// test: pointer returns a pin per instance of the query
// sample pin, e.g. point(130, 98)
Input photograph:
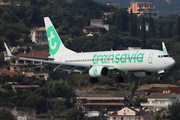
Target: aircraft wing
point(53, 62)
point(46, 58)
point(69, 67)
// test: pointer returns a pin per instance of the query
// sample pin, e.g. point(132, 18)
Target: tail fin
point(56, 47)
point(164, 47)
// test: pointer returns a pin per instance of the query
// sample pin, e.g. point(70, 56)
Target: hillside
point(165, 7)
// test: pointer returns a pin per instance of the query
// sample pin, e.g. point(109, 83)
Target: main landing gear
point(93, 80)
point(119, 79)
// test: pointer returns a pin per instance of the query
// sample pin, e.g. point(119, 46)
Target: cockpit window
point(166, 55)
point(161, 56)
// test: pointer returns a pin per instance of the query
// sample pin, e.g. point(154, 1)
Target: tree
point(131, 24)
point(11, 36)
point(137, 99)
point(4, 78)
point(6, 115)
point(17, 78)
point(169, 35)
point(178, 26)
point(156, 115)
point(135, 26)
point(74, 31)
point(161, 34)
point(174, 110)
point(143, 34)
point(74, 114)
point(151, 27)
point(26, 39)
point(125, 20)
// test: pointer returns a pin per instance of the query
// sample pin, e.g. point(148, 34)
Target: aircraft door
point(150, 59)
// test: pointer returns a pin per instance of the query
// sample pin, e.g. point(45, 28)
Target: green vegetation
point(135, 100)
point(69, 19)
point(174, 110)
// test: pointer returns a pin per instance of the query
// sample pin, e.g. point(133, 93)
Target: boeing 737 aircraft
point(102, 63)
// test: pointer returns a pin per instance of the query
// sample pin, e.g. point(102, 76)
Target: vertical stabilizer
point(164, 47)
point(56, 47)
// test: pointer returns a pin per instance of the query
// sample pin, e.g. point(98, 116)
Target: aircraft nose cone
point(171, 63)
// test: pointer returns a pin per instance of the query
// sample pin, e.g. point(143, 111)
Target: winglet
point(164, 47)
point(8, 51)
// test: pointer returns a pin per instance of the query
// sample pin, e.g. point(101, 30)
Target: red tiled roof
point(36, 53)
point(133, 109)
point(114, 113)
point(150, 86)
point(96, 19)
point(142, 113)
point(160, 95)
point(5, 71)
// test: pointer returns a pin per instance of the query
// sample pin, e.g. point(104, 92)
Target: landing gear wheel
point(119, 79)
point(160, 77)
point(93, 80)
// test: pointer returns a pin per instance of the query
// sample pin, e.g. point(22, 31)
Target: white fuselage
point(124, 60)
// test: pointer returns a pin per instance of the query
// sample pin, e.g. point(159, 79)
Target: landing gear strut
point(160, 77)
point(119, 79)
point(93, 80)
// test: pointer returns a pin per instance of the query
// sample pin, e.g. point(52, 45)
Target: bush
point(7, 87)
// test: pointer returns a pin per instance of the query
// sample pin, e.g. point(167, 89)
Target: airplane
point(142, 62)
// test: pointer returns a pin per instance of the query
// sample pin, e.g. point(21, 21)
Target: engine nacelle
point(99, 71)
point(142, 74)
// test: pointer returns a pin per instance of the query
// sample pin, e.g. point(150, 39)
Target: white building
point(38, 36)
point(158, 101)
point(99, 23)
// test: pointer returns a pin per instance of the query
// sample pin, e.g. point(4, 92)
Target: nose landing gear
point(160, 77)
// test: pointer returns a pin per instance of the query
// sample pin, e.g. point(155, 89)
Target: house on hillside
point(158, 101)
point(24, 87)
point(129, 113)
point(96, 102)
point(27, 78)
point(107, 15)
point(96, 27)
point(157, 88)
point(143, 8)
point(14, 2)
point(18, 64)
point(38, 36)
point(116, 5)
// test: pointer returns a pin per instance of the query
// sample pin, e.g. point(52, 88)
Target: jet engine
point(99, 71)
point(142, 74)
